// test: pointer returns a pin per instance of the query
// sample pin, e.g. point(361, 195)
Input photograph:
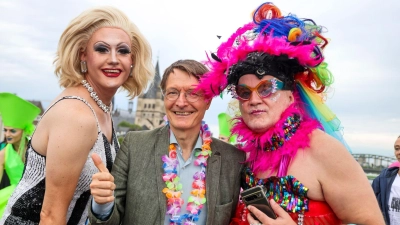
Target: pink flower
point(206, 135)
point(169, 176)
point(201, 160)
point(172, 154)
point(192, 208)
point(198, 184)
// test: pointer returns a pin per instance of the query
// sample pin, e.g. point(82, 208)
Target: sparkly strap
point(283, 166)
point(78, 98)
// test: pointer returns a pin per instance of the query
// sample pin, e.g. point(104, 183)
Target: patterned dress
point(25, 203)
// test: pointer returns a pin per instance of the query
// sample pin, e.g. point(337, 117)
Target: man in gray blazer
point(135, 191)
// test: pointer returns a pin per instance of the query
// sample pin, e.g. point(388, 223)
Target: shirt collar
point(172, 140)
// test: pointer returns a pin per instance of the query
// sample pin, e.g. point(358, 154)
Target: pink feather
point(270, 160)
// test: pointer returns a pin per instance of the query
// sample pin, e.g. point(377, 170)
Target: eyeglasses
point(173, 94)
point(264, 89)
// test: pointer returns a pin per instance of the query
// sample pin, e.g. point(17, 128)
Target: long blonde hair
point(74, 39)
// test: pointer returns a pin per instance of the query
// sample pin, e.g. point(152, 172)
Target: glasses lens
point(243, 92)
point(192, 96)
point(264, 88)
point(172, 94)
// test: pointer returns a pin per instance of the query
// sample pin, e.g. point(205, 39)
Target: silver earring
point(83, 67)
point(130, 73)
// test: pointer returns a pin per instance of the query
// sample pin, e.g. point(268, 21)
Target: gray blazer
point(137, 171)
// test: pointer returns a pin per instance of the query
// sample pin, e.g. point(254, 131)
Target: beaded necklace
point(96, 98)
point(173, 190)
point(289, 129)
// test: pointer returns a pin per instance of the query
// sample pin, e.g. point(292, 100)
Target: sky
point(362, 53)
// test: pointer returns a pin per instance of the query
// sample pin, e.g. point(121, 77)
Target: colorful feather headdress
point(286, 47)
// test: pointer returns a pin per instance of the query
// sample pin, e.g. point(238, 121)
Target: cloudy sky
point(362, 54)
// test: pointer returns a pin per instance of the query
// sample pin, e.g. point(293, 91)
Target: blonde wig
point(74, 40)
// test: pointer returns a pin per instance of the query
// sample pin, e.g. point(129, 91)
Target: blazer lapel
point(161, 148)
point(212, 182)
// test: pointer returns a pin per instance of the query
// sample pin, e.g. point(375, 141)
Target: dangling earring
point(83, 67)
point(130, 73)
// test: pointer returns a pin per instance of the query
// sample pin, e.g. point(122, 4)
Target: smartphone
point(256, 196)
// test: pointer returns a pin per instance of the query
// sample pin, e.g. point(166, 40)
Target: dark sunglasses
point(264, 89)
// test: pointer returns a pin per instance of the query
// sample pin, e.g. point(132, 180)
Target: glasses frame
point(187, 93)
point(276, 85)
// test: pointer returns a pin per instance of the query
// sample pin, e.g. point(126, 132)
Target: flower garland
point(173, 190)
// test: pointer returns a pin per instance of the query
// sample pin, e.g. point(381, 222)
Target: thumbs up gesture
point(102, 186)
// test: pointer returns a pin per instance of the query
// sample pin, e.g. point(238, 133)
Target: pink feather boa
point(215, 81)
point(279, 159)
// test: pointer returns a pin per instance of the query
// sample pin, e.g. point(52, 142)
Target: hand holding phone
point(256, 196)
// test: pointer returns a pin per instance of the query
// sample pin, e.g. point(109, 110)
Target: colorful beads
point(289, 129)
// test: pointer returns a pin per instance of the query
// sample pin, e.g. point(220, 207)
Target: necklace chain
point(96, 98)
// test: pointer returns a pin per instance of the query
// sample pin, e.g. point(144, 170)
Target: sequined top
point(25, 203)
point(291, 195)
point(286, 191)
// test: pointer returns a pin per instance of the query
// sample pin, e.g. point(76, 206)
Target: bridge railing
point(373, 163)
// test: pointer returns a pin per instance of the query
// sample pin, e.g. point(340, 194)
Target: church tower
point(150, 106)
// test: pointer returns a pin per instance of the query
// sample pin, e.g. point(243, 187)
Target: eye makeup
point(124, 50)
point(13, 131)
point(103, 48)
point(99, 47)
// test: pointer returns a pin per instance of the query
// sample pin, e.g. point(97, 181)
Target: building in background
point(150, 106)
point(121, 116)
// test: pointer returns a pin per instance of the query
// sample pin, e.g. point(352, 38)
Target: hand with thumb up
point(102, 186)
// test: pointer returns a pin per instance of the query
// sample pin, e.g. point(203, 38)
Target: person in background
point(99, 52)
point(387, 189)
point(5, 180)
point(18, 116)
point(175, 174)
point(225, 124)
point(275, 67)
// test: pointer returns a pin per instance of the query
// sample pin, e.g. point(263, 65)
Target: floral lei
point(173, 190)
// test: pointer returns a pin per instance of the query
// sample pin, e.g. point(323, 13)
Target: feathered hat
point(286, 47)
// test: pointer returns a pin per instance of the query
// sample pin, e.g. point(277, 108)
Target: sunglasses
point(264, 89)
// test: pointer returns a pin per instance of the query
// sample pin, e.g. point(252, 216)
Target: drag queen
point(275, 67)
